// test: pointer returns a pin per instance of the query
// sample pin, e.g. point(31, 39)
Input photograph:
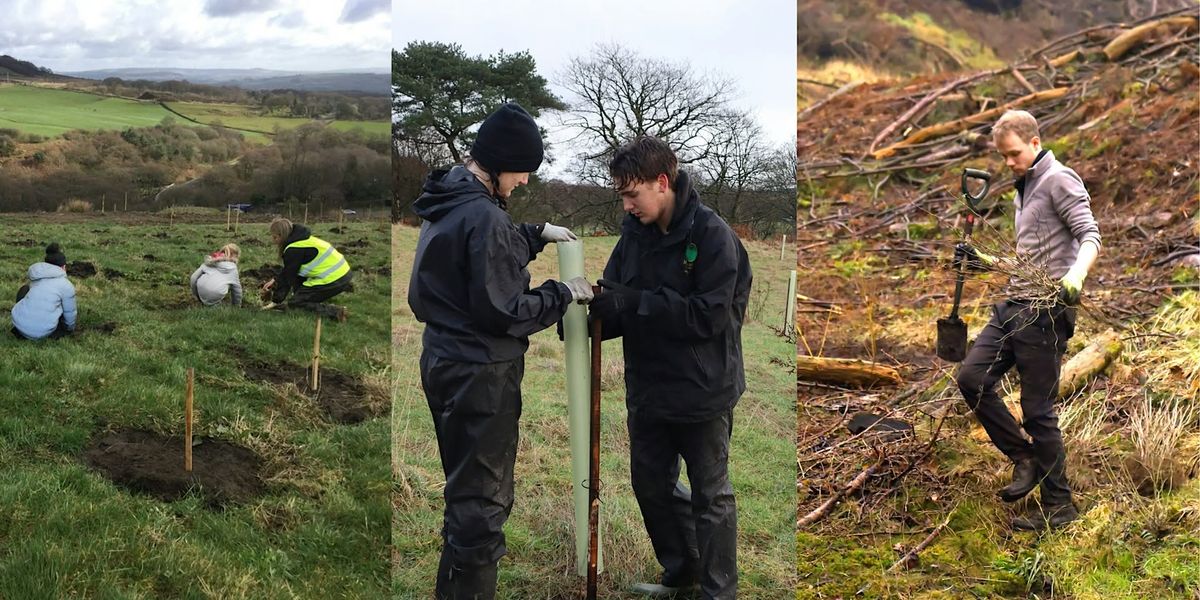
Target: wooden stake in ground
point(187, 421)
point(126, 209)
point(782, 245)
point(228, 217)
point(594, 466)
point(103, 197)
point(306, 213)
point(237, 217)
point(314, 379)
point(341, 217)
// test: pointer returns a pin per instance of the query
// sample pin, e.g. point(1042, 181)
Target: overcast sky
point(753, 41)
point(312, 35)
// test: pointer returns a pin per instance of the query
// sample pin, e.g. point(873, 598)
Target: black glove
point(614, 300)
point(966, 252)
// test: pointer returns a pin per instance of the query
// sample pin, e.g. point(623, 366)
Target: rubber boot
point(471, 583)
point(1024, 479)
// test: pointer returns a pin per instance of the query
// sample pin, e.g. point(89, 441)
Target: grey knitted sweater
point(1053, 218)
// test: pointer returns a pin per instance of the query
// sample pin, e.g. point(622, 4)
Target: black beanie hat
point(55, 256)
point(508, 141)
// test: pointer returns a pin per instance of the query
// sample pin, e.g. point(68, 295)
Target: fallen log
point(849, 87)
point(847, 372)
point(1082, 368)
point(1064, 59)
point(986, 116)
point(1127, 40)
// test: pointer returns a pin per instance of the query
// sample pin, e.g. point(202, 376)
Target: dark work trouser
point(1034, 341)
point(475, 408)
point(61, 331)
point(694, 534)
point(313, 297)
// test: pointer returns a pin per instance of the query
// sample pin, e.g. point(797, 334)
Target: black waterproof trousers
point(1034, 341)
point(694, 534)
point(313, 298)
point(475, 410)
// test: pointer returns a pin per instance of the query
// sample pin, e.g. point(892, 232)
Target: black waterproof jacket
point(683, 344)
point(288, 277)
point(469, 283)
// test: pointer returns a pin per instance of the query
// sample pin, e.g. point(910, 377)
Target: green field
point(540, 562)
point(320, 528)
point(244, 117)
point(51, 112)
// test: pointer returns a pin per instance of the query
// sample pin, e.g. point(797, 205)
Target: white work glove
point(554, 233)
point(581, 290)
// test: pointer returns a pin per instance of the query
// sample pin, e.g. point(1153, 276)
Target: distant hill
point(13, 67)
point(352, 80)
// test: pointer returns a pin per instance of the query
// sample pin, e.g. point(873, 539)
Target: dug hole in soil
point(148, 463)
point(341, 397)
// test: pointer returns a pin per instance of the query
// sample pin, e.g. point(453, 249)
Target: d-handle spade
point(951, 330)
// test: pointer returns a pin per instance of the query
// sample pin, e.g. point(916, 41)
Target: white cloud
point(276, 34)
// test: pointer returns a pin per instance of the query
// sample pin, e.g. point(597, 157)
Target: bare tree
point(617, 94)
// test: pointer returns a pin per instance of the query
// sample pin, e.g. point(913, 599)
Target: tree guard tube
point(575, 334)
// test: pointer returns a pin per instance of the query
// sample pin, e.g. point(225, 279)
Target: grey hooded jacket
point(214, 280)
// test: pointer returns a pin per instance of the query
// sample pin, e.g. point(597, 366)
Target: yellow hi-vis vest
point(327, 267)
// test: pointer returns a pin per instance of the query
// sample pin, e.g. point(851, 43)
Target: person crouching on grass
point(45, 306)
point(1057, 236)
point(312, 267)
point(218, 278)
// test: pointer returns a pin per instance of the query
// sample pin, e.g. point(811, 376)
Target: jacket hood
point(221, 264)
point(447, 189)
point(687, 200)
point(299, 232)
point(45, 270)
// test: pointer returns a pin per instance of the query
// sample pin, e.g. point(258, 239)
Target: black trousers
point(61, 331)
point(313, 298)
point(475, 408)
point(694, 534)
point(1032, 340)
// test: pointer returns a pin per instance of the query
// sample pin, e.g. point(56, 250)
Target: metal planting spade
point(951, 330)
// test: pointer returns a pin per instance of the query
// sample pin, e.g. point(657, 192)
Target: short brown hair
point(1019, 122)
point(643, 159)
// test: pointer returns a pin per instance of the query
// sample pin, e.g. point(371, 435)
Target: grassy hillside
point(49, 112)
point(319, 522)
point(540, 563)
point(244, 117)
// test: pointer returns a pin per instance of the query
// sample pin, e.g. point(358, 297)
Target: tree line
point(441, 94)
point(139, 165)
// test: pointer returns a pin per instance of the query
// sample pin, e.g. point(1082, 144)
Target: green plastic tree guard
point(579, 385)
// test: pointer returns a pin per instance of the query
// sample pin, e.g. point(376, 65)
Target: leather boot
point(1039, 518)
point(1024, 479)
